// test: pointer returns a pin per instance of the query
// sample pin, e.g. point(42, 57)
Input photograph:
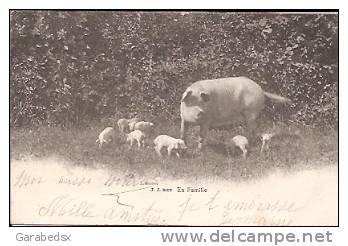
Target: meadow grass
point(295, 148)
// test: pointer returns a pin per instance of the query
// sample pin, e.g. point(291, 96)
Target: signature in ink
point(118, 197)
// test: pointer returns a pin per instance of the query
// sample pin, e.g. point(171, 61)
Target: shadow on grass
point(218, 147)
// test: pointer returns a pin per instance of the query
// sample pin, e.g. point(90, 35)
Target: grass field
point(294, 149)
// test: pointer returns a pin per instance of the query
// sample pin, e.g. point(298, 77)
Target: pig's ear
point(205, 96)
point(186, 95)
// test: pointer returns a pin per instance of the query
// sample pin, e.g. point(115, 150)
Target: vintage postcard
point(197, 118)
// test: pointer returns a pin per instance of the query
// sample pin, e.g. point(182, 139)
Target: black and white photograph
point(173, 117)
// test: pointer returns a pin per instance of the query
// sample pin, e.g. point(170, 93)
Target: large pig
point(221, 102)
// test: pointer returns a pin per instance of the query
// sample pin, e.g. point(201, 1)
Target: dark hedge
point(69, 68)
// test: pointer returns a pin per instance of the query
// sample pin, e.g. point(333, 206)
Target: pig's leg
point(250, 119)
point(183, 130)
point(203, 132)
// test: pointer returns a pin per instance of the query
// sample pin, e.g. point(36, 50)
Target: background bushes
point(70, 68)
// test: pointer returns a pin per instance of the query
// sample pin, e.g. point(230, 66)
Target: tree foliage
point(69, 67)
